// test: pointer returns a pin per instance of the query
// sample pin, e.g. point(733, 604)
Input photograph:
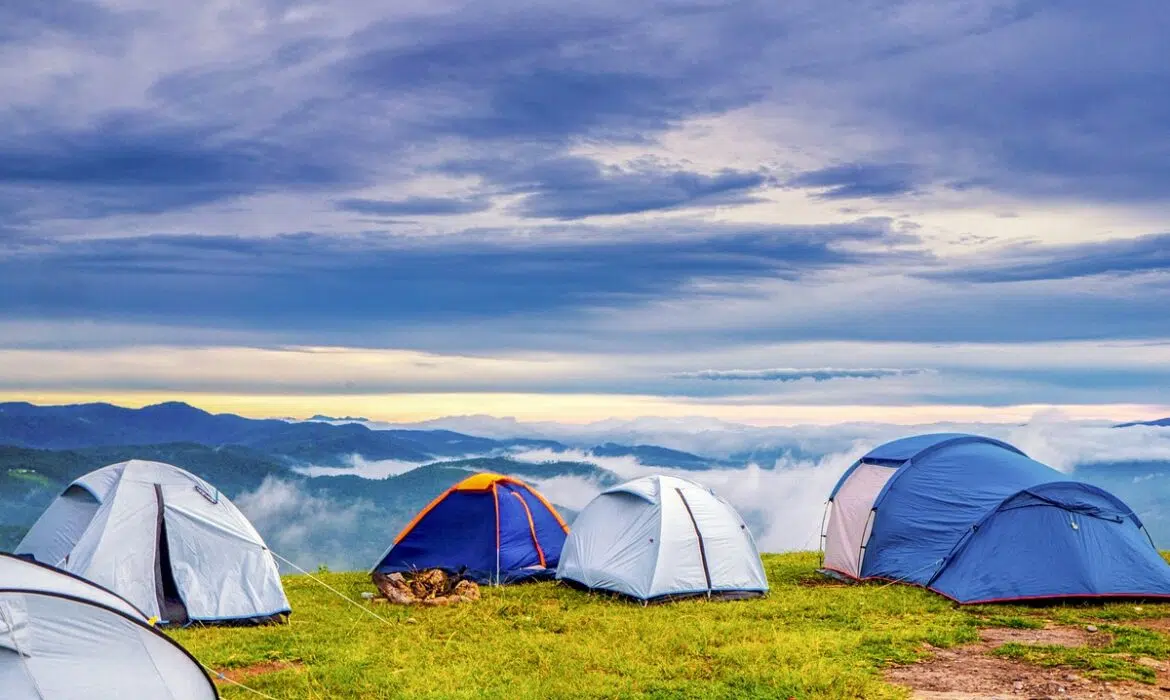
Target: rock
point(1091, 628)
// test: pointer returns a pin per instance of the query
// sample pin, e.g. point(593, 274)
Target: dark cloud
point(574, 188)
point(859, 180)
point(1036, 262)
point(823, 374)
point(79, 18)
point(308, 281)
point(414, 206)
point(129, 163)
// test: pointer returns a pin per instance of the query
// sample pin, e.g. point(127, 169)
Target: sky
point(760, 212)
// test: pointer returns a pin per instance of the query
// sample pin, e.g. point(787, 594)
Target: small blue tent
point(490, 528)
point(978, 521)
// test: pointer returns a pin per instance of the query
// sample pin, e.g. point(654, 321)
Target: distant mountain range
point(1160, 422)
point(314, 441)
point(312, 487)
point(43, 448)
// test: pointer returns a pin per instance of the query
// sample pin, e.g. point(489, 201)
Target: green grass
point(809, 638)
point(1116, 661)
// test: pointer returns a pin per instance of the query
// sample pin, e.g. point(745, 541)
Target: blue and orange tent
point(488, 527)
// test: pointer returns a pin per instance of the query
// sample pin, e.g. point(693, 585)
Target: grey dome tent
point(62, 638)
point(659, 538)
point(163, 539)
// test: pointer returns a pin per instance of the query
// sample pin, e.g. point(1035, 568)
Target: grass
point(810, 638)
point(1116, 661)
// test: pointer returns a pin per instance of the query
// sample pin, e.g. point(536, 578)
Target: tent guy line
point(335, 592)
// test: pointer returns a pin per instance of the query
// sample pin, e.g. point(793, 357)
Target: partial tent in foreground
point(978, 521)
point(488, 527)
point(62, 637)
point(163, 539)
point(660, 538)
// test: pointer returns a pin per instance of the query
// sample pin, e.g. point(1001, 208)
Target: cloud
point(569, 188)
point(781, 501)
point(129, 163)
point(359, 466)
point(306, 529)
point(414, 206)
point(1033, 261)
point(793, 375)
point(308, 281)
point(781, 492)
point(857, 180)
point(75, 18)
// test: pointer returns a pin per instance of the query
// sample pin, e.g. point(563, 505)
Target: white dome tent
point(661, 537)
point(63, 638)
point(163, 539)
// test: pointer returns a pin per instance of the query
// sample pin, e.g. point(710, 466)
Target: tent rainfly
point(62, 637)
point(661, 537)
point(163, 539)
point(488, 528)
point(976, 520)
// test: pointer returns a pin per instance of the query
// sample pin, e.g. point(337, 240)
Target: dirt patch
point(243, 672)
point(1048, 636)
point(971, 673)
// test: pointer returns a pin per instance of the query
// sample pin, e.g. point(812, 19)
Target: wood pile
point(427, 587)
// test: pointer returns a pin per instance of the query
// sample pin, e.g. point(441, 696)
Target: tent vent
point(211, 497)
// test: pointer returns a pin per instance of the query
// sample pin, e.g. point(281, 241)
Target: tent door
point(851, 518)
point(699, 536)
point(532, 530)
point(170, 604)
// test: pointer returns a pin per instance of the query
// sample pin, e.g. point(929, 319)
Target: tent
point(62, 637)
point(977, 521)
point(165, 540)
point(488, 527)
point(660, 537)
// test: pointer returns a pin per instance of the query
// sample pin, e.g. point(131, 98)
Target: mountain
point(99, 424)
point(344, 521)
point(1159, 422)
point(83, 426)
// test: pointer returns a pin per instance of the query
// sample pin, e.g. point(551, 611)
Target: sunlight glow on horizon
point(586, 408)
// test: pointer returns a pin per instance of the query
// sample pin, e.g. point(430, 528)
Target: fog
point(782, 498)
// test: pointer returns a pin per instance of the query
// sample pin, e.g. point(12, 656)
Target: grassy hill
point(810, 638)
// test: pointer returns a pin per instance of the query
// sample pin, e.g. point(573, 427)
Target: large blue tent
point(978, 521)
point(489, 528)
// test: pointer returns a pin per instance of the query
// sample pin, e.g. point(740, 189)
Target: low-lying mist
point(778, 478)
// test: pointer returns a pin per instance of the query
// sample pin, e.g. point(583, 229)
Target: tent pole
point(496, 499)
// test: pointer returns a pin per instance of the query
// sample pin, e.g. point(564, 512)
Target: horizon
point(1013, 415)
point(765, 214)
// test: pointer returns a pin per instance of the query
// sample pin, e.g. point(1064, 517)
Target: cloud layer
point(619, 180)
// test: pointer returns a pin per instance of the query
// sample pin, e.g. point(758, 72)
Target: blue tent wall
point(929, 505)
point(460, 531)
point(1065, 539)
point(977, 520)
point(485, 527)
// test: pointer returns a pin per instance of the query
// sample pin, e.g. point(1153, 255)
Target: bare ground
point(972, 673)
